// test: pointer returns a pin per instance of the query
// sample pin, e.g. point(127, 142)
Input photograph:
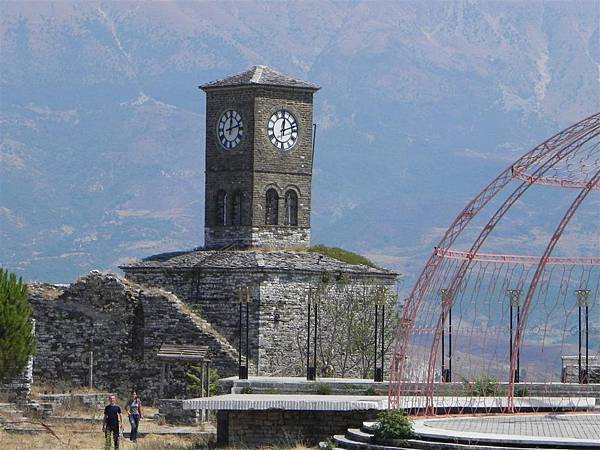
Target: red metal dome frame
point(535, 167)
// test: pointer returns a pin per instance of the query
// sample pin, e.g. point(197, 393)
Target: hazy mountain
point(422, 103)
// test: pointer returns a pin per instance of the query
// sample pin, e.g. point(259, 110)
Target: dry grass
point(62, 387)
point(71, 440)
point(74, 408)
point(95, 441)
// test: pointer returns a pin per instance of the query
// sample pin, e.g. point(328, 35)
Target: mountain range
point(422, 104)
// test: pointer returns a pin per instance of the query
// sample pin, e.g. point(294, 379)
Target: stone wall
point(570, 369)
point(285, 428)
point(284, 312)
point(213, 294)
point(19, 389)
point(173, 413)
point(124, 324)
point(278, 310)
point(271, 236)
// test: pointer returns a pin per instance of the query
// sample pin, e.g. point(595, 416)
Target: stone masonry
point(19, 389)
point(279, 282)
point(124, 324)
point(283, 428)
point(256, 165)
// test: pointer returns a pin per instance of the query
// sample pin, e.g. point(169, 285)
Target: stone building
point(259, 161)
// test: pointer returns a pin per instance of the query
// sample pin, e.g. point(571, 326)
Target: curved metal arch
point(592, 184)
point(517, 193)
point(414, 302)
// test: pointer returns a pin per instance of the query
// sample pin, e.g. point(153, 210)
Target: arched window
point(236, 208)
point(272, 210)
point(222, 208)
point(291, 208)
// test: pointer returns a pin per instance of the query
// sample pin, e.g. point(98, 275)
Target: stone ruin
point(124, 324)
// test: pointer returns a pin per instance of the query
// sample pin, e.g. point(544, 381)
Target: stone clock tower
point(259, 157)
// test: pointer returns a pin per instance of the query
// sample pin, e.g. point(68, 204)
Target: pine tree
point(17, 343)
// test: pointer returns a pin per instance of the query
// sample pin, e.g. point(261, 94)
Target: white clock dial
point(230, 129)
point(283, 130)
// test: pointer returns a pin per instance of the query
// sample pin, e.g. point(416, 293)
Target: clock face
point(230, 129)
point(283, 130)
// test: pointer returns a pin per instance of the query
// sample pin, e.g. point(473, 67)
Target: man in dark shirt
point(113, 422)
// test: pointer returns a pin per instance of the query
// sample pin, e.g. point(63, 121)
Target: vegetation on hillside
point(342, 255)
point(17, 342)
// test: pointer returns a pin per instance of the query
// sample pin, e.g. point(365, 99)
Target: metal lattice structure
point(463, 305)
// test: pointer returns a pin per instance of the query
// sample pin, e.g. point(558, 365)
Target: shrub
point(323, 389)
point(371, 391)
point(246, 390)
point(482, 386)
point(394, 424)
point(17, 342)
point(521, 392)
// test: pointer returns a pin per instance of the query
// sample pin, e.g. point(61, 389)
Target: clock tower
point(259, 157)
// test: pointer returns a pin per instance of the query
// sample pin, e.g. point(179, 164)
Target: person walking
point(134, 412)
point(113, 423)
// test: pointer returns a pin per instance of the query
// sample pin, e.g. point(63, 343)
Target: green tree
point(17, 343)
point(346, 333)
point(194, 381)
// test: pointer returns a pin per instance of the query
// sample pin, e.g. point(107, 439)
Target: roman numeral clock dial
point(283, 130)
point(230, 129)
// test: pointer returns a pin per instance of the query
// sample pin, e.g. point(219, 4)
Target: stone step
point(445, 445)
point(369, 427)
point(350, 444)
point(358, 435)
point(15, 420)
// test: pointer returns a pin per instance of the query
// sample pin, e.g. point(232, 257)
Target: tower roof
point(260, 76)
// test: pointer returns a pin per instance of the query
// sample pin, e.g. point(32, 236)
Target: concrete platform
point(261, 402)
point(255, 420)
point(548, 430)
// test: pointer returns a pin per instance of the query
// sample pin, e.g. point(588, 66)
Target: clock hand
point(233, 126)
point(282, 127)
point(291, 127)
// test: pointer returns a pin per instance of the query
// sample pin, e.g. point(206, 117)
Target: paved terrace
point(560, 430)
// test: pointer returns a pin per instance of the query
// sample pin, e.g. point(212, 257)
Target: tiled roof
point(253, 260)
point(260, 76)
